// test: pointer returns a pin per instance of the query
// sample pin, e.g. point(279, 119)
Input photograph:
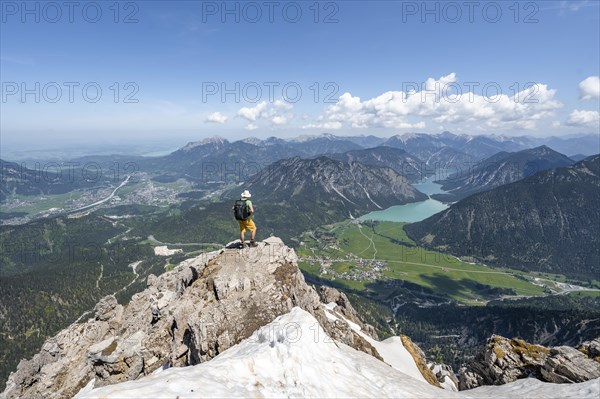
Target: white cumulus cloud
point(589, 88)
point(252, 114)
point(579, 118)
point(444, 101)
point(278, 113)
point(216, 117)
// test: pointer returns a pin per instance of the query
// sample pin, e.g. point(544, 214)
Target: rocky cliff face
point(419, 357)
point(505, 360)
point(591, 349)
point(187, 316)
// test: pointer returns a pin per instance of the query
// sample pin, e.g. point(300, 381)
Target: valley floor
point(358, 254)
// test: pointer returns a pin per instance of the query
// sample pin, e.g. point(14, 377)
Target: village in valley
point(141, 189)
point(343, 265)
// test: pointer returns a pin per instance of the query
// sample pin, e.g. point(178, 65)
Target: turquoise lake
point(414, 212)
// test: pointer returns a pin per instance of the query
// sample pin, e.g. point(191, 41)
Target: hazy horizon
point(161, 145)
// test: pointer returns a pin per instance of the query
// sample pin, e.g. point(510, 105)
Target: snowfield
point(293, 357)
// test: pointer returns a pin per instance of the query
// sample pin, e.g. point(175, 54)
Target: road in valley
point(124, 182)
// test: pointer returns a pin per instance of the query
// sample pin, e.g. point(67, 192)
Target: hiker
point(244, 213)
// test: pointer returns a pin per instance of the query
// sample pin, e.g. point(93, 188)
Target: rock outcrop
point(332, 295)
point(419, 357)
point(444, 375)
point(184, 317)
point(506, 360)
point(591, 349)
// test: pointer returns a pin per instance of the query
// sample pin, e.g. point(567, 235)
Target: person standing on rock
point(244, 214)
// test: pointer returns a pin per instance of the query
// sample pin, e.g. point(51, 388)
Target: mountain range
point(501, 168)
point(448, 149)
point(435, 150)
point(218, 160)
point(547, 222)
point(401, 161)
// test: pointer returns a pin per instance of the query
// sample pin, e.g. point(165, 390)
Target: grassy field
point(355, 247)
point(37, 205)
point(129, 188)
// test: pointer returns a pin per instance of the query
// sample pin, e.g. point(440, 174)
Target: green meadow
point(343, 244)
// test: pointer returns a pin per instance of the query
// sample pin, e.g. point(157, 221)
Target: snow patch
point(165, 251)
point(293, 357)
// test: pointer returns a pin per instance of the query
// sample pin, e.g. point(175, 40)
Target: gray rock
point(107, 308)
point(566, 364)
point(151, 281)
point(591, 349)
point(445, 376)
point(503, 361)
point(329, 295)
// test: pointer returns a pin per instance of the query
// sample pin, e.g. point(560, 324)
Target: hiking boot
point(243, 245)
point(253, 243)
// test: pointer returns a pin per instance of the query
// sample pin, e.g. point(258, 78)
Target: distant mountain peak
point(545, 152)
point(308, 137)
point(214, 140)
point(409, 136)
point(252, 140)
point(500, 137)
point(447, 134)
point(542, 150)
point(504, 167)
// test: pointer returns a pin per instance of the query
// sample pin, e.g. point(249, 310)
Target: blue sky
point(349, 67)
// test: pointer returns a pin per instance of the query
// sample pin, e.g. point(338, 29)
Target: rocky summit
point(184, 317)
point(214, 311)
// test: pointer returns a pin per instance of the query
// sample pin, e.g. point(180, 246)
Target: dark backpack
point(241, 210)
